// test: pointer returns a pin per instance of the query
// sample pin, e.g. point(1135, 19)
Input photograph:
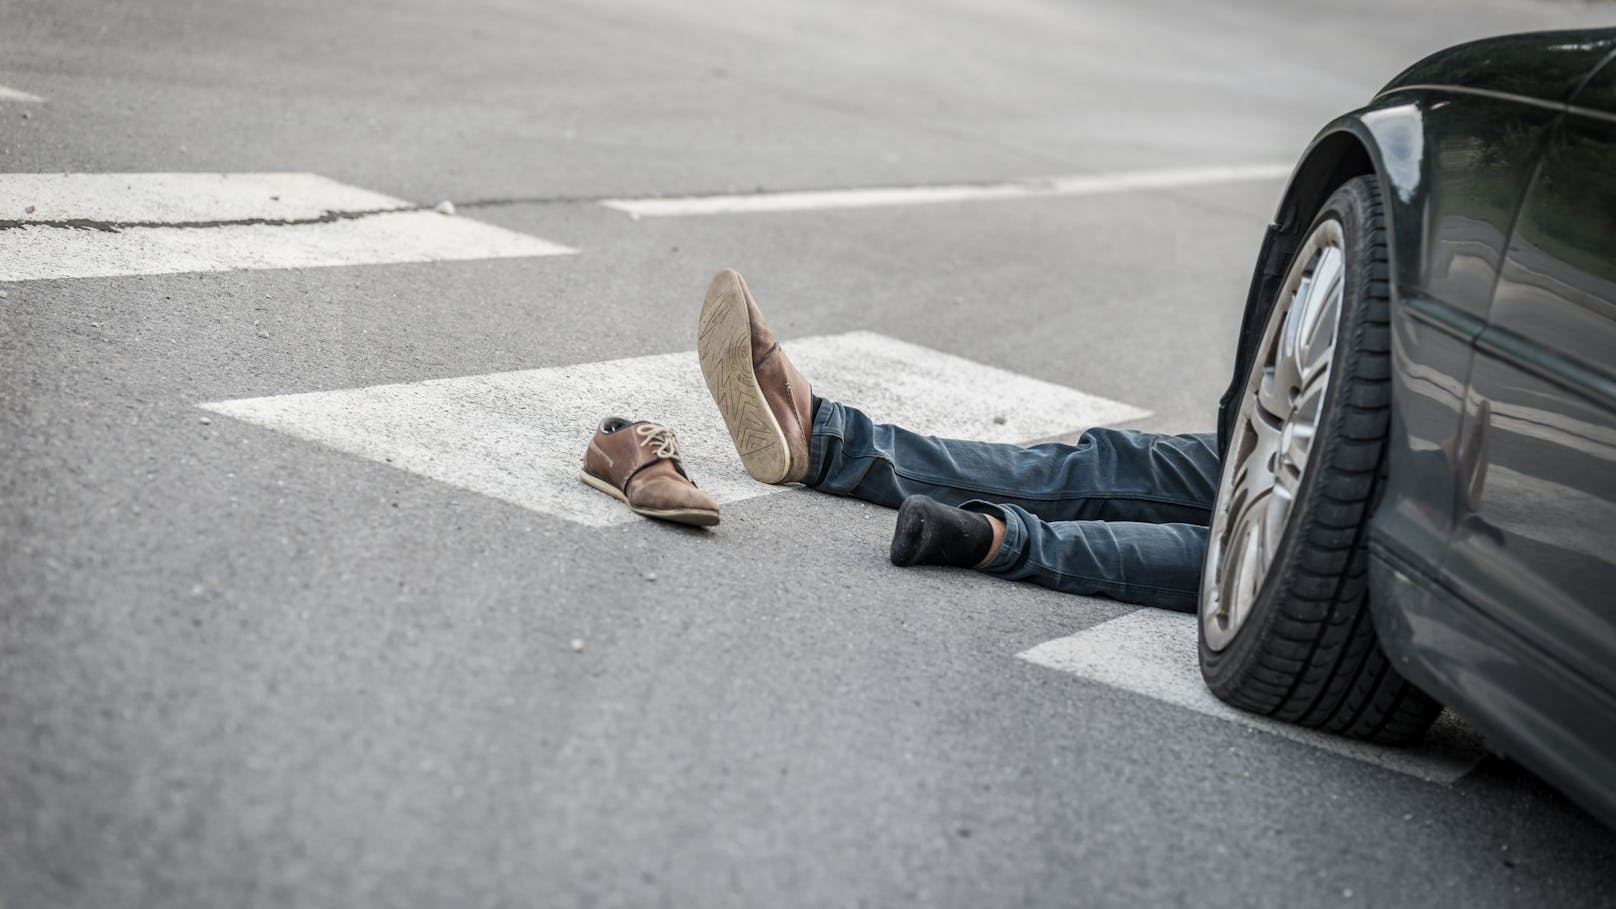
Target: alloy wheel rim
point(1273, 434)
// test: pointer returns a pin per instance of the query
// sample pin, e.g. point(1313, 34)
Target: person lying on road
point(1121, 514)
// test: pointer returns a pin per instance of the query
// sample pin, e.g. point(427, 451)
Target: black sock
point(931, 533)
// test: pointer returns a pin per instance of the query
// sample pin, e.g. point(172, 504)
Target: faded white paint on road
point(519, 436)
point(96, 225)
point(11, 94)
point(1153, 653)
point(183, 197)
point(1069, 185)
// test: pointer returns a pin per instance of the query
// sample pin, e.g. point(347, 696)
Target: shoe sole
point(696, 517)
point(724, 345)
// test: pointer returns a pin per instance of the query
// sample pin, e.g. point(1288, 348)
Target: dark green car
point(1418, 501)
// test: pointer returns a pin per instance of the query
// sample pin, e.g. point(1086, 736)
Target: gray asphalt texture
point(241, 669)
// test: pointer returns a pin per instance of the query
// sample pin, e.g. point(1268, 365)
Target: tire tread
point(1315, 659)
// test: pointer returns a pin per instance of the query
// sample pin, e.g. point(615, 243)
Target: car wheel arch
point(1344, 149)
point(1335, 157)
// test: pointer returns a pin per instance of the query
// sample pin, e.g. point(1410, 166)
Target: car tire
point(1285, 628)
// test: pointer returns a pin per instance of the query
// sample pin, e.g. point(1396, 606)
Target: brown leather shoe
point(639, 464)
point(766, 403)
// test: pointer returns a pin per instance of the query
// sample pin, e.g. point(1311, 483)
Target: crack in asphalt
point(331, 216)
point(112, 227)
point(328, 216)
point(530, 200)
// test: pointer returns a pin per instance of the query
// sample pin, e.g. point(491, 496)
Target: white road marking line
point(1153, 653)
point(1069, 185)
point(11, 94)
point(519, 436)
point(43, 253)
point(171, 198)
point(98, 225)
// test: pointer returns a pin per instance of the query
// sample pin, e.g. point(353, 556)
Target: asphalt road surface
point(351, 636)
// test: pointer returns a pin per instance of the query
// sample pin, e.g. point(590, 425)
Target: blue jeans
point(1121, 514)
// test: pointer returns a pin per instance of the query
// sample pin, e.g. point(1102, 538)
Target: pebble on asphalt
point(577, 646)
point(444, 208)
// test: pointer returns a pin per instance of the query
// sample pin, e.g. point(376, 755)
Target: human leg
point(783, 434)
point(1121, 475)
point(1149, 564)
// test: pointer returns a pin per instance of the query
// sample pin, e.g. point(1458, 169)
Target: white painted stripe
point(139, 224)
point(1070, 185)
point(1153, 653)
point(11, 94)
point(519, 436)
point(34, 253)
point(172, 198)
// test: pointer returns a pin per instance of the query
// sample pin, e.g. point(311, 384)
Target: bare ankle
point(998, 541)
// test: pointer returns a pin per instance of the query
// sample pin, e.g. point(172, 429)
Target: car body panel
point(1543, 66)
point(1527, 706)
point(1534, 547)
point(1473, 158)
point(1492, 574)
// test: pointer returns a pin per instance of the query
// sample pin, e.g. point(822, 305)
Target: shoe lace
point(661, 436)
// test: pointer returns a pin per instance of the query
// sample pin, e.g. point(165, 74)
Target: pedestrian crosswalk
point(1153, 653)
point(99, 225)
point(518, 436)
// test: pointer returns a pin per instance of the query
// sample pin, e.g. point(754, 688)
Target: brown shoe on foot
point(639, 464)
point(766, 403)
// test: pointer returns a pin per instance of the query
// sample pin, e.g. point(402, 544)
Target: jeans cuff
point(827, 425)
point(1015, 535)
